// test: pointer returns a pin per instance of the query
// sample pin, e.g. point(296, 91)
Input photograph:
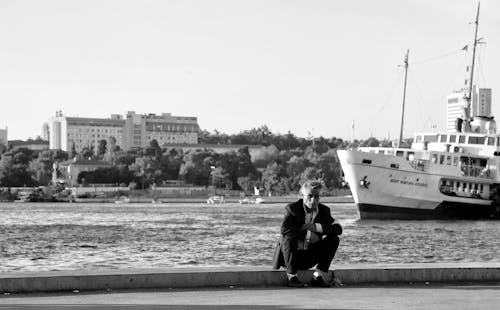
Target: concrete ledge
point(224, 277)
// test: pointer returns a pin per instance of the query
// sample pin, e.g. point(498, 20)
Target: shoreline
point(192, 278)
point(230, 199)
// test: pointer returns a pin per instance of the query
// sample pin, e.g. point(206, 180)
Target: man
point(309, 237)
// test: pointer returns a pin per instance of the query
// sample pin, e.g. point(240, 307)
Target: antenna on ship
point(468, 96)
point(404, 97)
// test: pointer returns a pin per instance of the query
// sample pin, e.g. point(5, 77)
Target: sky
point(310, 67)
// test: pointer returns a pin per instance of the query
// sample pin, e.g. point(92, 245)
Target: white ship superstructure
point(455, 174)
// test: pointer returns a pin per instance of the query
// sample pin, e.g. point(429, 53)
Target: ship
point(441, 175)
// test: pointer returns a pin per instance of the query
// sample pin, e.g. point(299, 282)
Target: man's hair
point(310, 185)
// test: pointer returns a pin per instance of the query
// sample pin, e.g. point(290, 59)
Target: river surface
point(45, 237)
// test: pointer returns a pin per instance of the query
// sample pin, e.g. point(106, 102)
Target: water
point(44, 237)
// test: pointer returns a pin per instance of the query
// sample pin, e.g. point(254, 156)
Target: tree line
point(282, 163)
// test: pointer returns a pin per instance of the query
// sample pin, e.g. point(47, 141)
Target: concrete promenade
point(409, 286)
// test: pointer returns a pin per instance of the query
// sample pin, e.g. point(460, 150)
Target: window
point(430, 138)
point(461, 139)
point(366, 161)
point(448, 160)
point(455, 161)
point(476, 140)
point(434, 158)
point(400, 153)
point(453, 138)
point(442, 138)
point(491, 140)
point(441, 159)
point(396, 166)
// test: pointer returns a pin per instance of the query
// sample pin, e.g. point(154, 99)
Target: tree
point(72, 152)
point(41, 168)
point(330, 168)
point(154, 149)
point(14, 168)
point(371, 142)
point(196, 167)
point(87, 152)
point(270, 177)
point(101, 148)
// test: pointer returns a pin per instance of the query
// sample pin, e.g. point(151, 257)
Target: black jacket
point(291, 226)
point(295, 217)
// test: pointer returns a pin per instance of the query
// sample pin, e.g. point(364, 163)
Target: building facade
point(456, 102)
point(133, 131)
point(165, 129)
point(3, 137)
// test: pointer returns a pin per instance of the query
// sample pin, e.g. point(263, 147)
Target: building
point(34, 145)
point(166, 129)
point(45, 131)
point(67, 172)
point(3, 137)
point(136, 130)
point(456, 102)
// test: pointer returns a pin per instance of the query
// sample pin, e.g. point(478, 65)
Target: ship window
point(441, 159)
point(448, 160)
point(491, 140)
point(430, 138)
point(461, 139)
point(442, 138)
point(366, 161)
point(395, 166)
point(453, 138)
point(400, 153)
point(476, 140)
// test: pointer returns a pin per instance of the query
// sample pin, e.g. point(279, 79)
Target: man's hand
point(314, 238)
point(309, 226)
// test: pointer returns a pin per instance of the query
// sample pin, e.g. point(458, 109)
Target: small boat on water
point(453, 174)
point(123, 199)
point(215, 199)
point(257, 200)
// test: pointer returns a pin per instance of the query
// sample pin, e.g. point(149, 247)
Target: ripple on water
point(36, 237)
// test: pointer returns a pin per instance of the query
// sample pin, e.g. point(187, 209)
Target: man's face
point(311, 198)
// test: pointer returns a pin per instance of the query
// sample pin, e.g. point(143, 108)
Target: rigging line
point(480, 64)
point(387, 99)
point(436, 57)
point(455, 74)
point(421, 103)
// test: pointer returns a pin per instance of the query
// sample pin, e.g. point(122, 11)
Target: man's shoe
point(319, 282)
point(294, 282)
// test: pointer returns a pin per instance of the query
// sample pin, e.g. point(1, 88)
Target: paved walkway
point(390, 297)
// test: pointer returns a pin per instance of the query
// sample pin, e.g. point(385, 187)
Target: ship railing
point(475, 171)
point(419, 164)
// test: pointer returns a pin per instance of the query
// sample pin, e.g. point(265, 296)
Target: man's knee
point(288, 243)
point(331, 241)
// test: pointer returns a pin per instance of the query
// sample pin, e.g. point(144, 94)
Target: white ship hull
point(389, 187)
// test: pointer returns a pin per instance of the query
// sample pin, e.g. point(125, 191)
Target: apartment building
point(135, 130)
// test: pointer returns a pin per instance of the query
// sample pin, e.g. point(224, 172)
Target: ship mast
point(404, 97)
point(468, 96)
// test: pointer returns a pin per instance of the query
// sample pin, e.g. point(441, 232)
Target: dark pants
point(320, 253)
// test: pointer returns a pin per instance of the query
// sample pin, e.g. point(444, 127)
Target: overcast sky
point(299, 66)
